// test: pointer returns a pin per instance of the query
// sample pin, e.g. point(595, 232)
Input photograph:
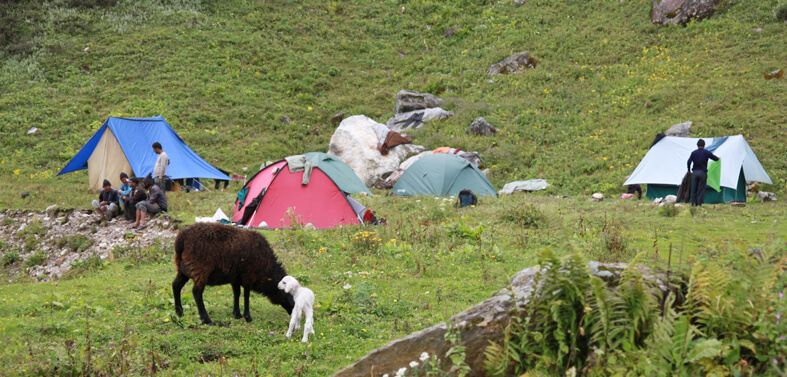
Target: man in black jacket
point(107, 203)
point(699, 172)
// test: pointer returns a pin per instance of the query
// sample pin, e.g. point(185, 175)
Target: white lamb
point(304, 301)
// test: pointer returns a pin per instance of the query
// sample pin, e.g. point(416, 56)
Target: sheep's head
point(289, 284)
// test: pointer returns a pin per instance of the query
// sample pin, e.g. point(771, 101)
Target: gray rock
point(478, 325)
point(407, 101)
point(355, 143)
point(513, 64)
point(451, 31)
point(480, 127)
point(675, 12)
point(338, 118)
point(680, 129)
point(285, 119)
point(32, 130)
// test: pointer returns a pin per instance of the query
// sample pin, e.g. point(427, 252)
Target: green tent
point(442, 174)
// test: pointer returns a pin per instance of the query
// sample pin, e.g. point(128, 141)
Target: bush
point(781, 12)
point(668, 210)
point(36, 259)
point(10, 257)
point(526, 215)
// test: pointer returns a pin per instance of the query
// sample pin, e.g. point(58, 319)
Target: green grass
point(224, 73)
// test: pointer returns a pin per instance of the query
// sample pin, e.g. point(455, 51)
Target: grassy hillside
point(224, 73)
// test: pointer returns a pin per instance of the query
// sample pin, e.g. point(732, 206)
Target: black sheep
point(216, 254)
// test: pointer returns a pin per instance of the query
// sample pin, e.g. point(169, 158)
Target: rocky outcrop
point(777, 74)
point(60, 238)
point(478, 326)
point(407, 101)
point(513, 64)
point(355, 143)
point(480, 127)
point(680, 129)
point(679, 12)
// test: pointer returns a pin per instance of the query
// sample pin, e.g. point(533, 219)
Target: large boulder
point(478, 326)
point(415, 119)
point(407, 101)
point(680, 129)
point(674, 12)
point(513, 64)
point(355, 143)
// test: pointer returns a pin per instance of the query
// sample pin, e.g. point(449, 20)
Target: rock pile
point(61, 237)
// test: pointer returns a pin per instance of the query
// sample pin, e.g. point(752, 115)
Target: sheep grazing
point(304, 302)
point(216, 254)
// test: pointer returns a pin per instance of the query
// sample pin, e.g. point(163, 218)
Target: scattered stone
point(25, 194)
point(679, 12)
point(309, 226)
point(680, 129)
point(71, 222)
point(758, 29)
point(32, 130)
point(597, 197)
point(407, 101)
point(480, 127)
point(777, 74)
point(451, 31)
point(285, 119)
point(513, 64)
point(738, 204)
point(338, 118)
point(766, 196)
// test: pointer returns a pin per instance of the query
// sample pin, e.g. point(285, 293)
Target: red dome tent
point(277, 190)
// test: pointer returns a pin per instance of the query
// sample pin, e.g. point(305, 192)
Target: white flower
point(400, 372)
point(424, 356)
point(413, 364)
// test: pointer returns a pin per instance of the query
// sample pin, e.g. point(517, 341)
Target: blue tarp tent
point(124, 145)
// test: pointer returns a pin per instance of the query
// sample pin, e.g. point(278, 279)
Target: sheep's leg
point(177, 286)
point(203, 314)
point(236, 301)
point(246, 313)
point(308, 325)
point(295, 319)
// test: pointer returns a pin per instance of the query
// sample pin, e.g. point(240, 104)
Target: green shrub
point(36, 259)
point(781, 12)
point(525, 215)
point(668, 210)
point(10, 257)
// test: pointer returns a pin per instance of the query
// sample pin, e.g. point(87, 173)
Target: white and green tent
point(663, 167)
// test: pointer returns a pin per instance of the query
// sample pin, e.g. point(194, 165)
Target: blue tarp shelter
point(124, 145)
point(664, 166)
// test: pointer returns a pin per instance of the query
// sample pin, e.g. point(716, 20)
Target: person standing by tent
point(699, 174)
point(156, 203)
point(160, 170)
point(107, 203)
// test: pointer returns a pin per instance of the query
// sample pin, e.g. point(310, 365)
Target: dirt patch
point(45, 244)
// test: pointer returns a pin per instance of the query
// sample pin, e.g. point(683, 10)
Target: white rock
point(355, 143)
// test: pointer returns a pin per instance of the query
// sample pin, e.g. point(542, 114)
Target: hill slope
point(224, 73)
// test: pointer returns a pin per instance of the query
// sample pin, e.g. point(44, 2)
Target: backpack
point(466, 199)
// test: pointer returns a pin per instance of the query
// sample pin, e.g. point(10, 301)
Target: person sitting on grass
point(107, 203)
point(137, 195)
point(124, 190)
point(156, 203)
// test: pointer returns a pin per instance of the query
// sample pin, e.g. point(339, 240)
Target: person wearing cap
point(124, 190)
point(699, 172)
point(107, 203)
point(156, 203)
point(160, 169)
point(136, 195)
